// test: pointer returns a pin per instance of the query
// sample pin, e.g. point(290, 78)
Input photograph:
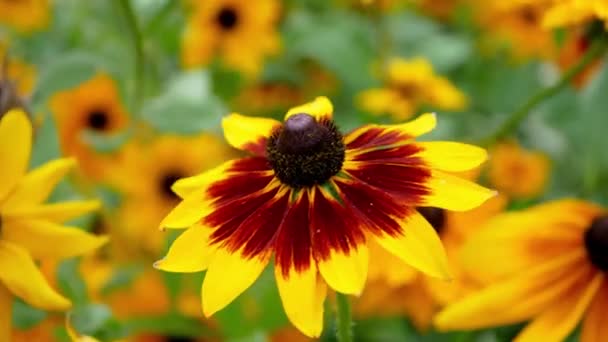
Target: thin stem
point(595, 51)
point(137, 38)
point(344, 318)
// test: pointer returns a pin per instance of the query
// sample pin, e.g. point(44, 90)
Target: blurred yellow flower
point(95, 106)
point(575, 12)
point(25, 15)
point(409, 84)
point(147, 195)
point(241, 32)
point(16, 81)
point(517, 172)
point(396, 288)
point(31, 230)
point(546, 264)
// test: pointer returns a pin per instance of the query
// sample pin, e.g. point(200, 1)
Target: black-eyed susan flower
point(409, 84)
point(241, 32)
point(30, 229)
point(94, 105)
point(25, 15)
point(395, 288)
point(546, 264)
point(564, 13)
point(517, 172)
point(314, 199)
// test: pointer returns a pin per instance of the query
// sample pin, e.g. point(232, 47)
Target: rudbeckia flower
point(314, 199)
point(24, 15)
point(546, 264)
point(95, 106)
point(410, 84)
point(396, 288)
point(241, 32)
point(31, 230)
point(564, 13)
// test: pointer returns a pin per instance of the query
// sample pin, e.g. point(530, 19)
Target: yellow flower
point(545, 264)
point(410, 84)
point(94, 105)
point(574, 47)
point(395, 288)
point(314, 199)
point(31, 230)
point(575, 12)
point(242, 32)
point(517, 172)
point(147, 194)
point(16, 81)
point(443, 9)
point(25, 15)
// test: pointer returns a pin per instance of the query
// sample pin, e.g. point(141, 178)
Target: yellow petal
point(346, 273)
point(229, 275)
point(190, 252)
point(556, 323)
point(517, 299)
point(245, 133)
point(320, 108)
point(302, 294)
point(21, 276)
point(417, 127)
point(56, 212)
point(6, 313)
point(451, 156)
point(37, 185)
point(43, 239)
point(454, 193)
point(595, 326)
point(188, 211)
point(15, 147)
point(185, 186)
point(419, 246)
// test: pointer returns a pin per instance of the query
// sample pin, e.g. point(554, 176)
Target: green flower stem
point(136, 36)
point(595, 51)
point(344, 318)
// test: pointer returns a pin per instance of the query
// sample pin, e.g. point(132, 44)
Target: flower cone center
point(166, 182)
point(435, 216)
point(98, 120)
point(596, 242)
point(227, 18)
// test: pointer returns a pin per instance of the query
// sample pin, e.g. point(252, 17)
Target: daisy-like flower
point(410, 84)
point(546, 264)
point(564, 13)
point(241, 32)
point(29, 229)
point(314, 198)
point(94, 105)
point(25, 15)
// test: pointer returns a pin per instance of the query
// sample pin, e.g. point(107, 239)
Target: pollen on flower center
point(227, 18)
point(596, 242)
point(435, 216)
point(98, 120)
point(305, 152)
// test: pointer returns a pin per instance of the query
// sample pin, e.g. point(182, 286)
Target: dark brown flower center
point(529, 15)
point(166, 182)
point(227, 18)
point(98, 120)
point(435, 216)
point(305, 152)
point(596, 242)
point(179, 339)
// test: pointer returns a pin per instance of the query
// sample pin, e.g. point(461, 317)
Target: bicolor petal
point(248, 133)
point(451, 156)
point(21, 276)
point(320, 108)
point(454, 193)
point(190, 252)
point(15, 148)
point(595, 325)
point(188, 211)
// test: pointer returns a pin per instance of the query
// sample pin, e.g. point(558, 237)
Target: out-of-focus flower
point(395, 288)
point(32, 230)
point(409, 84)
point(241, 32)
point(95, 106)
point(575, 12)
point(545, 264)
point(43, 331)
point(442, 9)
point(517, 172)
point(25, 15)
point(518, 23)
point(16, 82)
point(147, 195)
point(575, 46)
point(315, 199)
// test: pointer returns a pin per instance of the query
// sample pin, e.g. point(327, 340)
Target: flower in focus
point(575, 12)
point(408, 85)
point(32, 230)
point(545, 264)
point(24, 15)
point(314, 199)
point(395, 288)
point(242, 32)
point(92, 106)
point(517, 172)
point(147, 195)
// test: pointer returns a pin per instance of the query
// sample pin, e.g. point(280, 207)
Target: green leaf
point(25, 316)
point(169, 325)
point(71, 283)
point(107, 143)
point(91, 318)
